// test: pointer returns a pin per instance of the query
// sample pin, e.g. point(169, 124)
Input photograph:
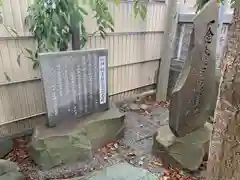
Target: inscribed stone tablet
point(75, 83)
point(194, 90)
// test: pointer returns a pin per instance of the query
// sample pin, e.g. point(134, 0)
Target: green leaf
point(143, 11)
point(30, 52)
point(117, 2)
point(19, 59)
point(7, 77)
point(1, 18)
point(52, 27)
point(13, 30)
point(83, 10)
point(35, 64)
point(111, 28)
point(84, 35)
point(30, 58)
point(55, 18)
point(135, 8)
point(103, 34)
point(66, 18)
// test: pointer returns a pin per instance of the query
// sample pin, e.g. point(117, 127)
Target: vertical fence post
point(76, 38)
point(170, 29)
point(75, 35)
point(220, 20)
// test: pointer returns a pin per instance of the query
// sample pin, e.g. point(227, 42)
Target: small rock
point(91, 169)
point(131, 155)
point(124, 107)
point(134, 107)
point(141, 125)
point(140, 163)
point(138, 99)
point(144, 106)
point(131, 162)
point(116, 145)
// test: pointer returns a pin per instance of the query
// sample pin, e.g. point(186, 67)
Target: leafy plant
point(200, 3)
point(51, 22)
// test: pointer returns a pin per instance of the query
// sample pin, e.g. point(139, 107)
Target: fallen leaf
point(155, 163)
point(116, 145)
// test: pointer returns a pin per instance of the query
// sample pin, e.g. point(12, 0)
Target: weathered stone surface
point(123, 171)
point(186, 152)
point(120, 171)
point(9, 171)
point(193, 92)
point(138, 106)
point(75, 141)
point(134, 107)
point(6, 145)
point(7, 166)
point(75, 83)
point(12, 176)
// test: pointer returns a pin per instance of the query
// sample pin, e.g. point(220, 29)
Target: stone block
point(75, 140)
point(186, 152)
point(6, 146)
point(9, 171)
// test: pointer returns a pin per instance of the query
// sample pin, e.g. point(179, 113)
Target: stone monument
point(186, 138)
point(75, 83)
point(79, 115)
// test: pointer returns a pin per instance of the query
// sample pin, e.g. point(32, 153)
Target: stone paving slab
point(123, 171)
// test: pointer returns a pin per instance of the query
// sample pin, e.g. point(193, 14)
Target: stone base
point(6, 146)
point(9, 171)
point(76, 140)
point(186, 152)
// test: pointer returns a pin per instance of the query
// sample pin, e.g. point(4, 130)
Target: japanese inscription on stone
point(75, 83)
point(194, 89)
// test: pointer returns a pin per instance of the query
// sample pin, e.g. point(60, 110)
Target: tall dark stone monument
point(192, 96)
point(185, 141)
point(75, 83)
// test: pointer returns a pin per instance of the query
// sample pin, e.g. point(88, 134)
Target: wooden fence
point(134, 53)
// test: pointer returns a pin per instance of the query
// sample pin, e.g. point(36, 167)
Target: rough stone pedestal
point(75, 140)
point(186, 152)
point(9, 171)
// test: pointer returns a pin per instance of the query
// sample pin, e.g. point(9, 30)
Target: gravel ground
point(134, 148)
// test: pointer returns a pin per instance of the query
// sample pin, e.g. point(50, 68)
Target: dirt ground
point(134, 148)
